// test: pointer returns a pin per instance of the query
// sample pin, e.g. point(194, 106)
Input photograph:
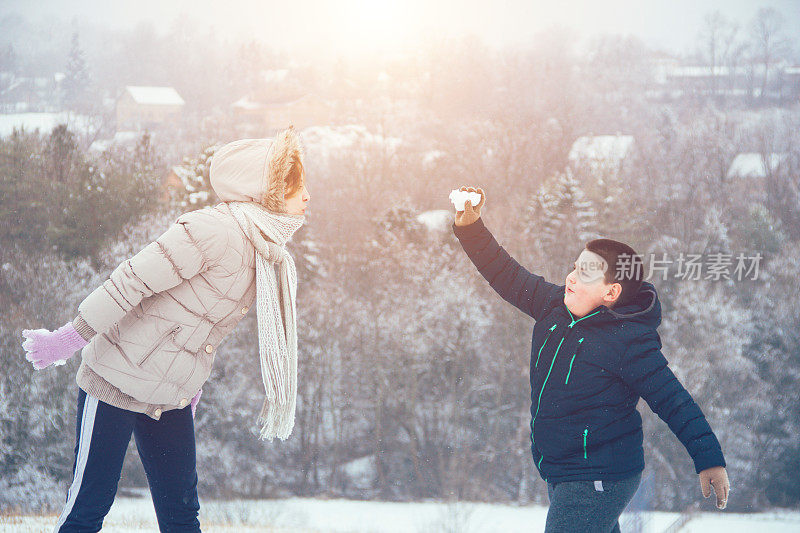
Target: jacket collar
point(643, 308)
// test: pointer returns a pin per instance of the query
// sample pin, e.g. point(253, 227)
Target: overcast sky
point(350, 25)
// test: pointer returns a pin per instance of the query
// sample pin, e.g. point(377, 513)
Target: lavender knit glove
point(44, 348)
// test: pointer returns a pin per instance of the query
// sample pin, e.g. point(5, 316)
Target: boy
point(595, 351)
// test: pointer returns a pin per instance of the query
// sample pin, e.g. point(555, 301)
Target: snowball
point(459, 199)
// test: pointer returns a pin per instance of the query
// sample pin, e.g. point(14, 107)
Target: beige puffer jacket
point(162, 314)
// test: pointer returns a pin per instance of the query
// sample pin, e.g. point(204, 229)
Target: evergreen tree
point(8, 69)
point(23, 212)
point(563, 220)
point(54, 193)
point(8, 59)
point(705, 336)
point(196, 191)
point(76, 81)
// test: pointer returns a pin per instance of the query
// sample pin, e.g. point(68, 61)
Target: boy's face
point(586, 286)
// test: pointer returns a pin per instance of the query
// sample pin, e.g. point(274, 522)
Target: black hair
point(625, 266)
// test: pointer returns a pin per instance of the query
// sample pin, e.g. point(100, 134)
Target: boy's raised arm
point(528, 292)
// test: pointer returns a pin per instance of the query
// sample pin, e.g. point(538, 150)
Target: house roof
point(275, 75)
point(606, 149)
point(127, 139)
point(754, 165)
point(701, 71)
point(154, 95)
point(247, 103)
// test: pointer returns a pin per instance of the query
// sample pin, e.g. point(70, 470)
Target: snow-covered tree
point(705, 334)
point(77, 80)
point(562, 221)
point(195, 191)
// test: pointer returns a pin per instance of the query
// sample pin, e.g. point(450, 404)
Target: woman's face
point(298, 202)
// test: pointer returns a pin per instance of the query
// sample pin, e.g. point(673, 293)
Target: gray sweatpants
point(589, 506)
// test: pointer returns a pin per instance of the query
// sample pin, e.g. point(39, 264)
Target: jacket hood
point(254, 170)
point(644, 308)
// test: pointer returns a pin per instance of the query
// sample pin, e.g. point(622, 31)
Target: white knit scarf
point(277, 324)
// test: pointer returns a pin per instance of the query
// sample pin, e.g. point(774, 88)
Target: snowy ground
point(44, 122)
point(130, 515)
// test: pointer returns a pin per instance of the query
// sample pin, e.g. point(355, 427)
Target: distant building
point(20, 94)
point(753, 165)
point(124, 139)
point(749, 172)
point(600, 153)
point(180, 178)
point(742, 81)
point(301, 112)
point(148, 107)
point(790, 83)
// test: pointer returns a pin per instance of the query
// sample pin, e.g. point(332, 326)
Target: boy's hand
point(470, 213)
point(716, 477)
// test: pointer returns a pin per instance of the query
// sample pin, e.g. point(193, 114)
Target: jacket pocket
point(113, 335)
point(159, 343)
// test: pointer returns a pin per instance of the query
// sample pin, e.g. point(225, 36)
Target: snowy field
point(44, 122)
point(300, 515)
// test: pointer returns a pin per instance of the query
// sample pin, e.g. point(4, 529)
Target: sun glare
point(375, 24)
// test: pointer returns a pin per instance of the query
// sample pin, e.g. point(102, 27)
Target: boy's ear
point(613, 294)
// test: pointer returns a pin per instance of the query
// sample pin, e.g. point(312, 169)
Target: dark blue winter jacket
point(587, 375)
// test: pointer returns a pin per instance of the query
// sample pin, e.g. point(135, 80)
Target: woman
point(150, 332)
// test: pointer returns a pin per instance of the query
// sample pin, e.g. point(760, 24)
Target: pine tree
point(563, 220)
point(76, 81)
point(8, 59)
point(89, 201)
point(8, 69)
point(196, 191)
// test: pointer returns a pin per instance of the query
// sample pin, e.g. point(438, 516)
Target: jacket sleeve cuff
point(472, 230)
point(84, 329)
point(708, 459)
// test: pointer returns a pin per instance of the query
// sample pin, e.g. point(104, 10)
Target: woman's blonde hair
point(286, 172)
point(296, 175)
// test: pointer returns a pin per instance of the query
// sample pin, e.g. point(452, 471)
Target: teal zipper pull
point(541, 391)
point(585, 434)
point(582, 318)
point(566, 381)
point(545, 342)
